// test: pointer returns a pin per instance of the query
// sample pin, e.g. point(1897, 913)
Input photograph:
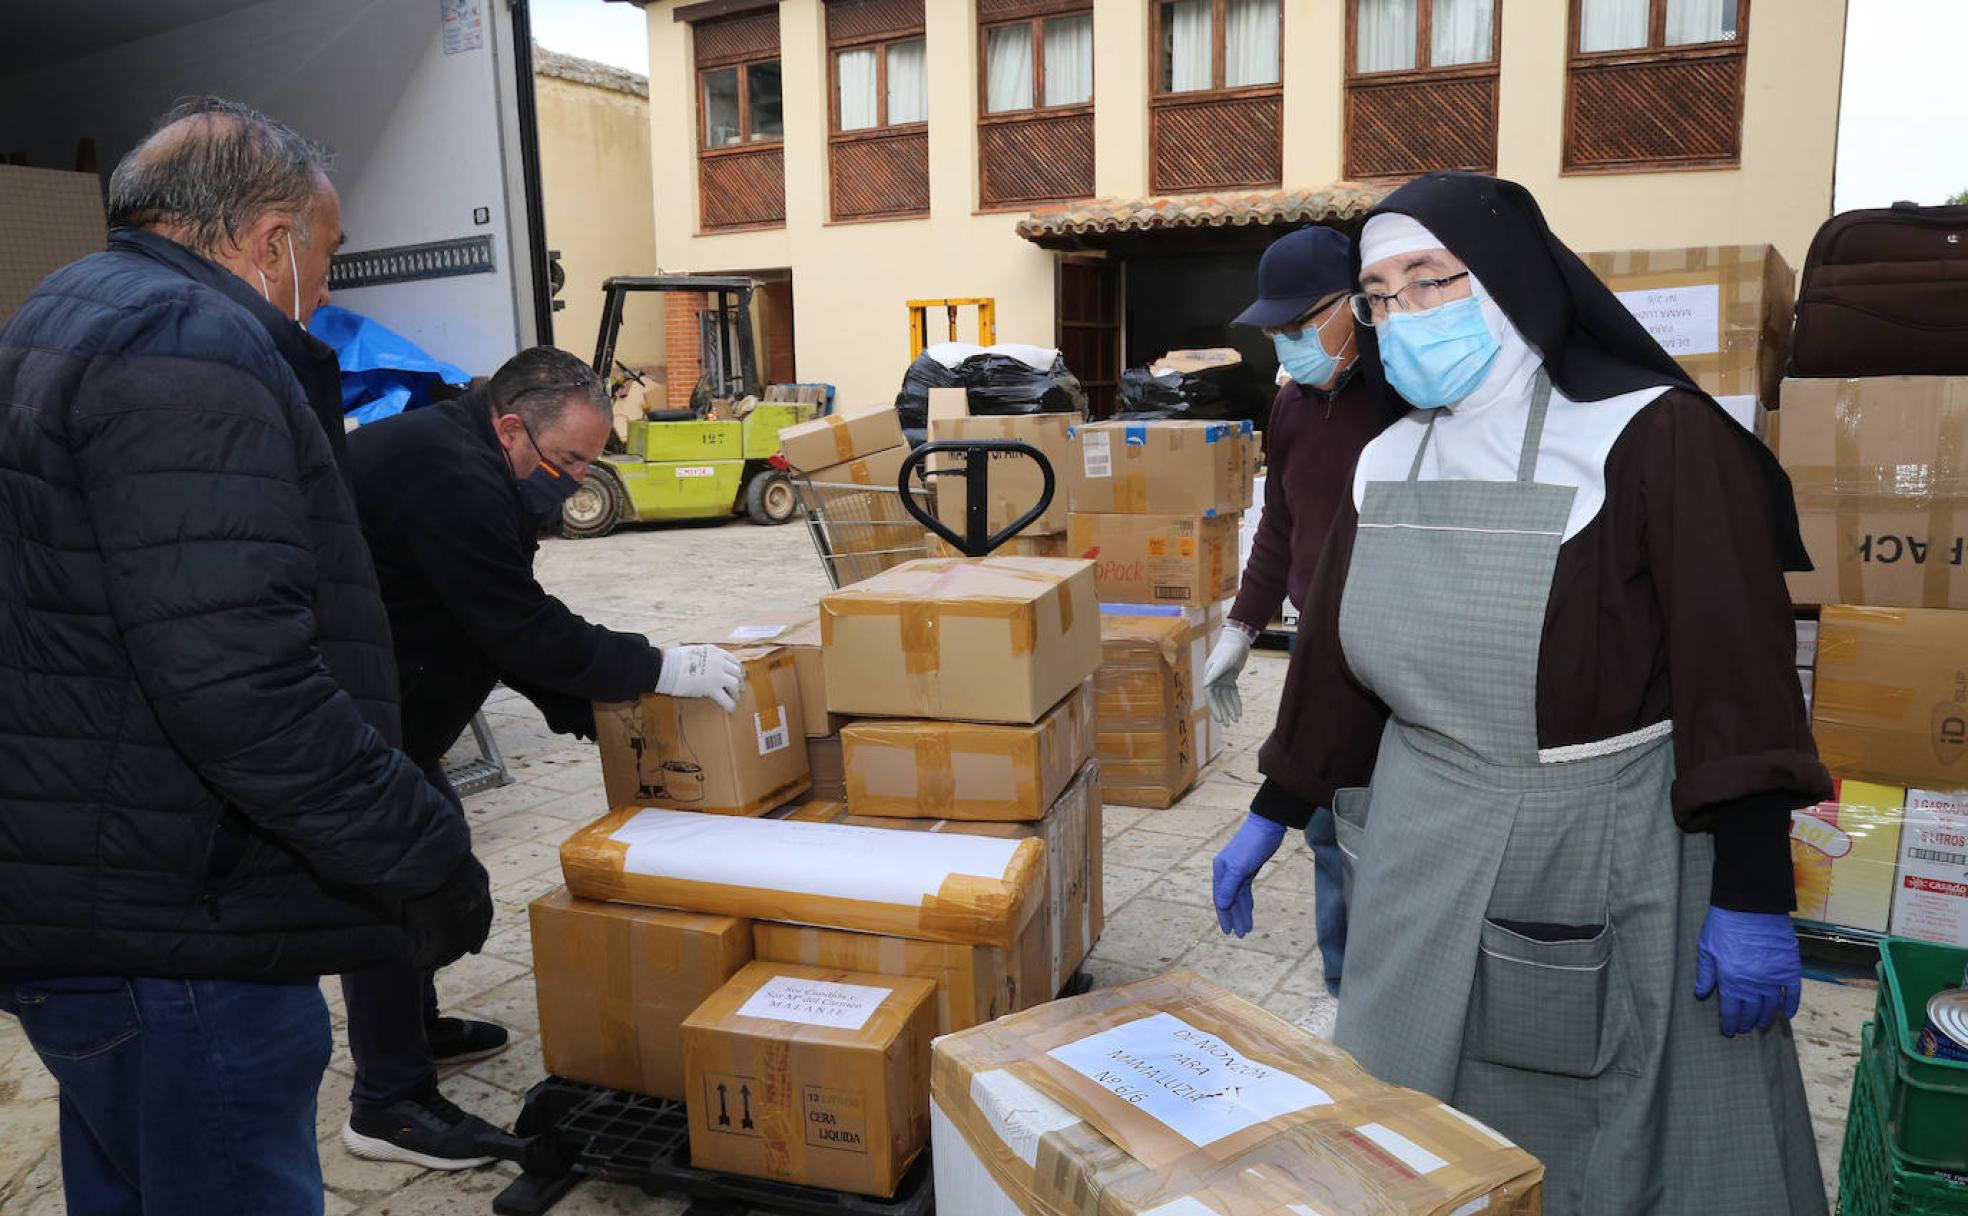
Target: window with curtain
point(858, 76)
point(908, 83)
point(766, 118)
point(1406, 35)
point(1421, 87)
point(1008, 68)
point(1035, 124)
point(1219, 44)
point(881, 86)
point(1385, 32)
point(1068, 45)
point(1041, 63)
point(721, 129)
point(1634, 64)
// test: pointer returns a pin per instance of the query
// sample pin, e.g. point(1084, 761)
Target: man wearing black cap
point(1325, 412)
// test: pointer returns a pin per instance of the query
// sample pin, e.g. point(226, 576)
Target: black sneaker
point(458, 1040)
point(427, 1130)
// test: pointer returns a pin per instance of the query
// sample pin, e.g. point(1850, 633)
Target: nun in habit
point(1545, 679)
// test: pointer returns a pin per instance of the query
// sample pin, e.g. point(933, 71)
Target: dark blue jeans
point(1329, 893)
point(192, 1097)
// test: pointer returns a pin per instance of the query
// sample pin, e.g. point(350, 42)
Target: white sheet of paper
point(814, 1002)
point(1684, 320)
point(1194, 1083)
point(1098, 447)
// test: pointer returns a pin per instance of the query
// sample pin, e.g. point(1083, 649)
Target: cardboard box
point(967, 770)
point(996, 639)
point(1162, 468)
point(1072, 917)
point(1103, 1105)
point(688, 754)
point(799, 632)
point(1723, 312)
point(1148, 705)
point(811, 1075)
point(946, 403)
point(879, 471)
point(1883, 512)
point(615, 982)
point(827, 759)
point(1930, 895)
point(1158, 559)
point(48, 218)
point(1015, 482)
point(929, 886)
point(1022, 545)
point(974, 984)
point(1890, 701)
point(849, 433)
point(1843, 854)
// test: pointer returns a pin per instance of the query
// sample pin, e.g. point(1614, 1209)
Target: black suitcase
point(1885, 293)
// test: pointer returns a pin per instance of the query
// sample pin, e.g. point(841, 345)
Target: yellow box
point(1844, 854)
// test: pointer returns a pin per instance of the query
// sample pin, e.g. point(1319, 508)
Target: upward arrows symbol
point(745, 1096)
point(724, 1112)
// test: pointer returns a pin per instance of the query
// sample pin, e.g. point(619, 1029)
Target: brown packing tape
point(1131, 493)
point(843, 437)
point(966, 909)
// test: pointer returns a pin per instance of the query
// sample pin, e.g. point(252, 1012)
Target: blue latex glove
point(1751, 958)
point(1236, 865)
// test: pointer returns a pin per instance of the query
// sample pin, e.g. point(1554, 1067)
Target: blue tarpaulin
point(383, 372)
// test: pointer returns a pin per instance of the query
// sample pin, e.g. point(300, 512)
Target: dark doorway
point(1184, 301)
point(1090, 338)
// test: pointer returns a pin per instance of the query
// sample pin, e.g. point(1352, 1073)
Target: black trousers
point(391, 1011)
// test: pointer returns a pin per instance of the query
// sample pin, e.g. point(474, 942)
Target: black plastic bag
point(995, 384)
point(1231, 392)
point(912, 403)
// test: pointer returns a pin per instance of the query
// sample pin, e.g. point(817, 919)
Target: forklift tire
point(769, 498)
point(596, 507)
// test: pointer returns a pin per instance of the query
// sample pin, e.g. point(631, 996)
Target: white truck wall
point(422, 138)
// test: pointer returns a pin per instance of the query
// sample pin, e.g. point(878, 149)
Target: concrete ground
point(678, 581)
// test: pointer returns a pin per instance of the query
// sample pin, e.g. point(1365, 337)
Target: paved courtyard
point(669, 582)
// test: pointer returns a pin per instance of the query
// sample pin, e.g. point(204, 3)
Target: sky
point(1901, 130)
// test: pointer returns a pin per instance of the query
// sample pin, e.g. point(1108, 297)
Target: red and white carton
point(1930, 901)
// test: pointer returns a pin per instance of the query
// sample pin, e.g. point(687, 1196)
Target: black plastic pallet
point(570, 1130)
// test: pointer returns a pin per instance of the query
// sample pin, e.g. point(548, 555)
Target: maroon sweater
point(1310, 450)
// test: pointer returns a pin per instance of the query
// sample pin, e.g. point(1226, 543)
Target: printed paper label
point(464, 25)
point(835, 1118)
point(1684, 320)
point(814, 1002)
point(775, 740)
point(754, 633)
point(1099, 450)
point(695, 470)
point(1193, 1083)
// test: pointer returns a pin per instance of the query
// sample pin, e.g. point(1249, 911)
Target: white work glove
point(701, 671)
point(1226, 663)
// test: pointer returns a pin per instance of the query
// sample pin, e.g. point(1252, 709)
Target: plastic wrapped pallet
point(918, 769)
point(950, 888)
point(1171, 1097)
point(995, 639)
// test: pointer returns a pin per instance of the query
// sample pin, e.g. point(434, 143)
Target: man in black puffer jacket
point(202, 809)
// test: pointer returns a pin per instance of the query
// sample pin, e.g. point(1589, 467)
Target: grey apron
point(1523, 924)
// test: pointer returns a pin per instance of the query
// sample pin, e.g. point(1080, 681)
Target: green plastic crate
point(1926, 1107)
point(1873, 1179)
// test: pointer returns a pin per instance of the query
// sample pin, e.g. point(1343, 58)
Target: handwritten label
point(1099, 449)
point(1193, 1083)
point(814, 1002)
point(1684, 320)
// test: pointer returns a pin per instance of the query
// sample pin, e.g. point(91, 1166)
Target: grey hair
point(214, 168)
point(540, 382)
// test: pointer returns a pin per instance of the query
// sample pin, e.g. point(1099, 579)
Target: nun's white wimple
point(1391, 234)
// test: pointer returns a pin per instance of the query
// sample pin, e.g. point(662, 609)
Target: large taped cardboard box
point(1052, 544)
point(1015, 483)
point(799, 632)
point(879, 471)
point(1890, 699)
point(1158, 559)
point(614, 983)
point(1723, 312)
point(1881, 501)
point(1172, 467)
point(689, 754)
point(1172, 1096)
point(1071, 917)
point(974, 984)
point(849, 433)
point(919, 769)
point(1930, 897)
point(1149, 705)
point(811, 1075)
point(933, 887)
point(996, 639)
point(1843, 855)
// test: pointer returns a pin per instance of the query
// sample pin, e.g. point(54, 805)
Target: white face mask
point(294, 268)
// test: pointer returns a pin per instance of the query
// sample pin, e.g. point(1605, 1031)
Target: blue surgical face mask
point(1303, 354)
point(1438, 357)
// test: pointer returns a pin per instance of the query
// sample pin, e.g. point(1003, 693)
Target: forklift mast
point(732, 297)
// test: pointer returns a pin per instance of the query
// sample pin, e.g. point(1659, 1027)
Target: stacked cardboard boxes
point(1155, 729)
point(850, 463)
point(798, 632)
point(1014, 484)
point(1156, 505)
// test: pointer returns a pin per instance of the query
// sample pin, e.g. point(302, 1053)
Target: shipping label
point(1099, 453)
point(1684, 320)
point(755, 633)
point(814, 1002)
point(835, 1118)
point(774, 739)
point(1191, 1082)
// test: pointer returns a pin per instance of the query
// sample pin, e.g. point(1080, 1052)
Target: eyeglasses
point(1371, 308)
point(1311, 319)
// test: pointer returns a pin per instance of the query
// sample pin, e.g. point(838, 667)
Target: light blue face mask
point(1303, 354)
point(1438, 357)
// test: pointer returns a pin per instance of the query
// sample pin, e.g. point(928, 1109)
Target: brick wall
point(680, 309)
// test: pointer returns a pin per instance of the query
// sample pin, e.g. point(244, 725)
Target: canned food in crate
point(1945, 1036)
